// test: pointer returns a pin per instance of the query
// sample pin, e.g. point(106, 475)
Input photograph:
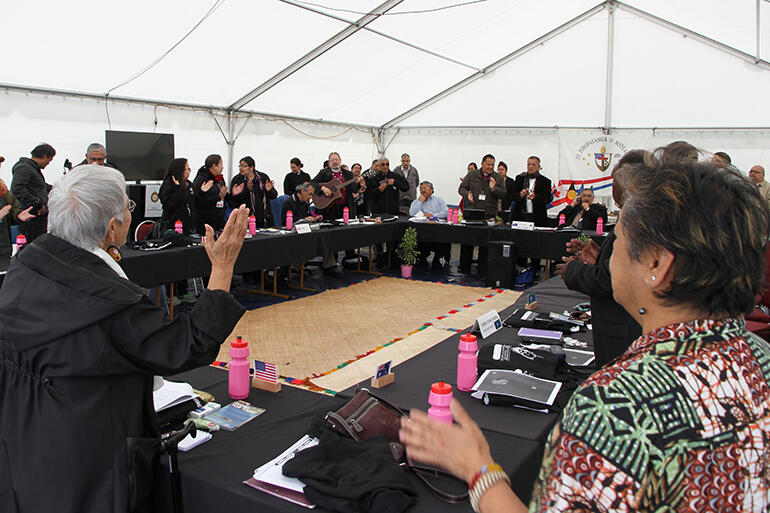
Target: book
point(498, 386)
point(269, 477)
point(171, 393)
point(234, 415)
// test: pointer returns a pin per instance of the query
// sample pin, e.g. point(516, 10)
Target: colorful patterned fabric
point(680, 422)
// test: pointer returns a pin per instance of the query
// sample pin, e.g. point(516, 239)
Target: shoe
point(189, 298)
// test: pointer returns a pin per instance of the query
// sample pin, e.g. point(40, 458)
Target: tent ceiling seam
point(499, 63)
point(382, 34)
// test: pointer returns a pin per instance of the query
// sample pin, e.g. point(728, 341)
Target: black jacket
point(253, 199)
point(206, 202)
point(387, 201)
point(177, 206)
point(542, 198)
point(29, 187)
point(292, 180)
point(588, 222)
point(613, 328)
point(477, 183)
point(79, 346)
point(298, 209)
point(5, 223)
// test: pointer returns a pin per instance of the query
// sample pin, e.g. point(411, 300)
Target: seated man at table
point(299, 205)
point(583, 212)
point(431, 206)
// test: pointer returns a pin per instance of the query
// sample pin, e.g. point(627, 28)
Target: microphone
point(67, 165)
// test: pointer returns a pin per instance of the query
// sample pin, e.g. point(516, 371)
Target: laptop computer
point(474, 216)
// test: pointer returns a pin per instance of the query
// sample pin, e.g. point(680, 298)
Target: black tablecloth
point(414, 377)
point(149, 268)
point(213, 473)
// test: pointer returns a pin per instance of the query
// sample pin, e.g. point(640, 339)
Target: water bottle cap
point(239, 343)
point(346, 208)
point(21, 239)
point(289, 213)
point(468, 337)
point(178, 222)
point(252, 217)
point(441, 388)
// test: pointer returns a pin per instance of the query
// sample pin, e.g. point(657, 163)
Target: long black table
point(150, 268)
point(212, 474)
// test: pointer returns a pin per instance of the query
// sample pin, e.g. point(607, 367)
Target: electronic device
point(542, 336)
point(473, 216)
point(140, 155)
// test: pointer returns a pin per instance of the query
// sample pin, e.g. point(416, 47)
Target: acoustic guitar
point(321, 201)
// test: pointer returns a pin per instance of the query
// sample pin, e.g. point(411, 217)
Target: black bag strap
point(421, 471)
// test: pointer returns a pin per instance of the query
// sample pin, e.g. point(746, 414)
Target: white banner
point(152, 205)
point(586, 159)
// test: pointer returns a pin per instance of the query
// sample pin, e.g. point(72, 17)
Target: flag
point(265, 371)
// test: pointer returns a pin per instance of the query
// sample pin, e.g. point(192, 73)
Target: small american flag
point(266, 371)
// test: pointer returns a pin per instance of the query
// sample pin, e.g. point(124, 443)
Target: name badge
point(220, 204)
point(482, 197)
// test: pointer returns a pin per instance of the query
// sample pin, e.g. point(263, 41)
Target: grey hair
point(406, 155)
point(303, 186)
point(96, 147)
point(82, 203)
point(426, 182)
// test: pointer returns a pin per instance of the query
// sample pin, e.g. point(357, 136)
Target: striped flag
point(265, 371)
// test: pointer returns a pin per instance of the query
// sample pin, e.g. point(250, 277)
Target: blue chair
point(276, 206)
point(14, 233)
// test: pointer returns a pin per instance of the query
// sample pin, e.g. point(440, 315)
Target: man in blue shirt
point(431, 206)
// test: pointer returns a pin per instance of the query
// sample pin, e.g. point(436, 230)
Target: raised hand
point(206, 186)
point(25, 215)
point(237, 189)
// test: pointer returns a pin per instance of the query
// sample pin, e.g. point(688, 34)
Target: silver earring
point(653, 278)
point(642, 311)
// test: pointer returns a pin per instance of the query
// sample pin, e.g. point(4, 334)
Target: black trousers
point(466, 258)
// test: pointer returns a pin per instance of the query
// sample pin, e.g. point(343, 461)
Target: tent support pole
point(314, 53)
point(230, 145)
point(610, 62)
point(695, 35)
point(759, 15)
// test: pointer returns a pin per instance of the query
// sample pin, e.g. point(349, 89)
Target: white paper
point(152, 204)
point(489, 323)
point(170, 394)
point(303, 228)
point(272, 471)
point(523, 225)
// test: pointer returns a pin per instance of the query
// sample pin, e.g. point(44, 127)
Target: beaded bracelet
point(483, 483)
point(484, 470)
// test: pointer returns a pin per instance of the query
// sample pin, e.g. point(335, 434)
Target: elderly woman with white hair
point(79, 344)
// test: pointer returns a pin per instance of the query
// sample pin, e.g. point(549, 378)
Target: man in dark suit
point(30, 188)
point(583, 212)
point(532, 192)
point(386, 187)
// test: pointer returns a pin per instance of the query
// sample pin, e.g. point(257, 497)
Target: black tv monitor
point(140, 155)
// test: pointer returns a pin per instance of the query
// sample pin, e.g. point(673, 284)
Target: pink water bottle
point(238, 376)
point(562, 219)
point(467, 361)
point(178, 227)
point(456, 216)
point(252, 225)
point(439, 398)
point(345, 215)
point(449, 215)
point(289, 220)
point(21, 241)
point(600, 226)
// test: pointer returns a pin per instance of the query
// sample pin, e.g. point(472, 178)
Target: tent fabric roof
point(371, 74)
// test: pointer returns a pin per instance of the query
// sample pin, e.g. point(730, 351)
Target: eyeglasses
point(131, 205)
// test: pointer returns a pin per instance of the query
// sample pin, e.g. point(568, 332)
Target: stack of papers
point(517, 388)
point(171, 393)
point(270, 479)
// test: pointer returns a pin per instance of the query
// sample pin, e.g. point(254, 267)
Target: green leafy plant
point(584, 237)
point(407, 248)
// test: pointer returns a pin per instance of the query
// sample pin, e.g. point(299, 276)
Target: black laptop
point(473, 216)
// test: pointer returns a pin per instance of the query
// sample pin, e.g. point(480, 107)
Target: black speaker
point(501, 263)
point(136, 192)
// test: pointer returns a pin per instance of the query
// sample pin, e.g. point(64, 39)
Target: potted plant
point(407, 252)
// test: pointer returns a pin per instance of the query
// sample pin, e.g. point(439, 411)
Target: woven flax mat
point(311, 336)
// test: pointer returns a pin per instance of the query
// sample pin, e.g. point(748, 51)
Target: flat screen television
point(140, 155)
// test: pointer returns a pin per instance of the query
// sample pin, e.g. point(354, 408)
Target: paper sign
point(523, 225)
point(303, 228)
point(489, 323)
point(152, 204)
point(383, 369)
